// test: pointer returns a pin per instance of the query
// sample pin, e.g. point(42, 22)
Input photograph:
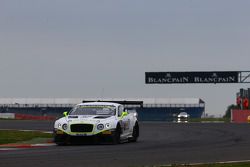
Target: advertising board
point(191, 77)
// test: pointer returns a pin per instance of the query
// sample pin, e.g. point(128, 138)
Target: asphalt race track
point(159, 143)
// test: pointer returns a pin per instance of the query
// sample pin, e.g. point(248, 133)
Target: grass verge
point(13, 136)
point(210, 120)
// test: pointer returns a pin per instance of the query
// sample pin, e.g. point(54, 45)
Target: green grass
point(12, 136)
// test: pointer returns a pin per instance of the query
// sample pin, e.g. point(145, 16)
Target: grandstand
point(149, 109)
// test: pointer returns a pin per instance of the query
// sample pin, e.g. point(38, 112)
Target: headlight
point(59, 125)
point(135, 114)
point(64, 126)
point(100, 127)
point(107, 125)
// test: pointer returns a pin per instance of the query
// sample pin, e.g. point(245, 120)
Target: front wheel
point(135, 134)
point(61, 140)
point(116, 137)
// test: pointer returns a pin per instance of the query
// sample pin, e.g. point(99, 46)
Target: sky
point(102, 49)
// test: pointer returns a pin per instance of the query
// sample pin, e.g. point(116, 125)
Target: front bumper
point(103, 132)
point(62, 137)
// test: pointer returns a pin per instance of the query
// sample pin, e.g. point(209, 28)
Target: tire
point(61, 140)
point(135, 134)
point(116, 137)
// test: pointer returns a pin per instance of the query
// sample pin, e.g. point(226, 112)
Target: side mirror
point(65, 113)
point(124, 113)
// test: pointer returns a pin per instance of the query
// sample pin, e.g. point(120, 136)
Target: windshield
point(183, 113)
point(93, 110)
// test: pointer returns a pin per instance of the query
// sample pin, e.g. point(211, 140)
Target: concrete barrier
point(32, 117)
point(240, 116)
point(7, 115)
point(25, 116)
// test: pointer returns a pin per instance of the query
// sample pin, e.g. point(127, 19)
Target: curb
point(17, 146)
point(5, 147)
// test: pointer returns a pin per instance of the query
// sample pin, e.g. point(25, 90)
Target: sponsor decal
point(191, 77)
point(107, 132)
point(81, 134)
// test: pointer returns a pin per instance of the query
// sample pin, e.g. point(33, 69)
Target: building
point(241, 114)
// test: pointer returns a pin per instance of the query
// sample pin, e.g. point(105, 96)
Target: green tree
point(228, 111)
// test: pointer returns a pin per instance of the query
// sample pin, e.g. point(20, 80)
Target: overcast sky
point(77, 48)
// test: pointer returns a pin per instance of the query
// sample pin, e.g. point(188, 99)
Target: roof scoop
point(72, 116)
point(102, 117)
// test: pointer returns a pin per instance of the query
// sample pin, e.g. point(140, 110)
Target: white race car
point(96, 121)
point(183, 117)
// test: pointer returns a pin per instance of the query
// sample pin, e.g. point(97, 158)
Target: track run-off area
point(160, 143)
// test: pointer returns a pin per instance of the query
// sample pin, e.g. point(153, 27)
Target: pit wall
point(25, 116)
point(168, 114)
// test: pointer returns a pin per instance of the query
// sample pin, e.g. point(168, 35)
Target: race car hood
point(87, 117)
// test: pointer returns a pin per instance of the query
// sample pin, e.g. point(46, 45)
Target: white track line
point(219, 162)
point(9, 149)
point(43, 145)
point(27, 130)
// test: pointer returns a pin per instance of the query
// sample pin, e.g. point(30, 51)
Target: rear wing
point(127, 104)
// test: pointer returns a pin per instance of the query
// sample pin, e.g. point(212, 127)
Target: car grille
point(81, 128)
